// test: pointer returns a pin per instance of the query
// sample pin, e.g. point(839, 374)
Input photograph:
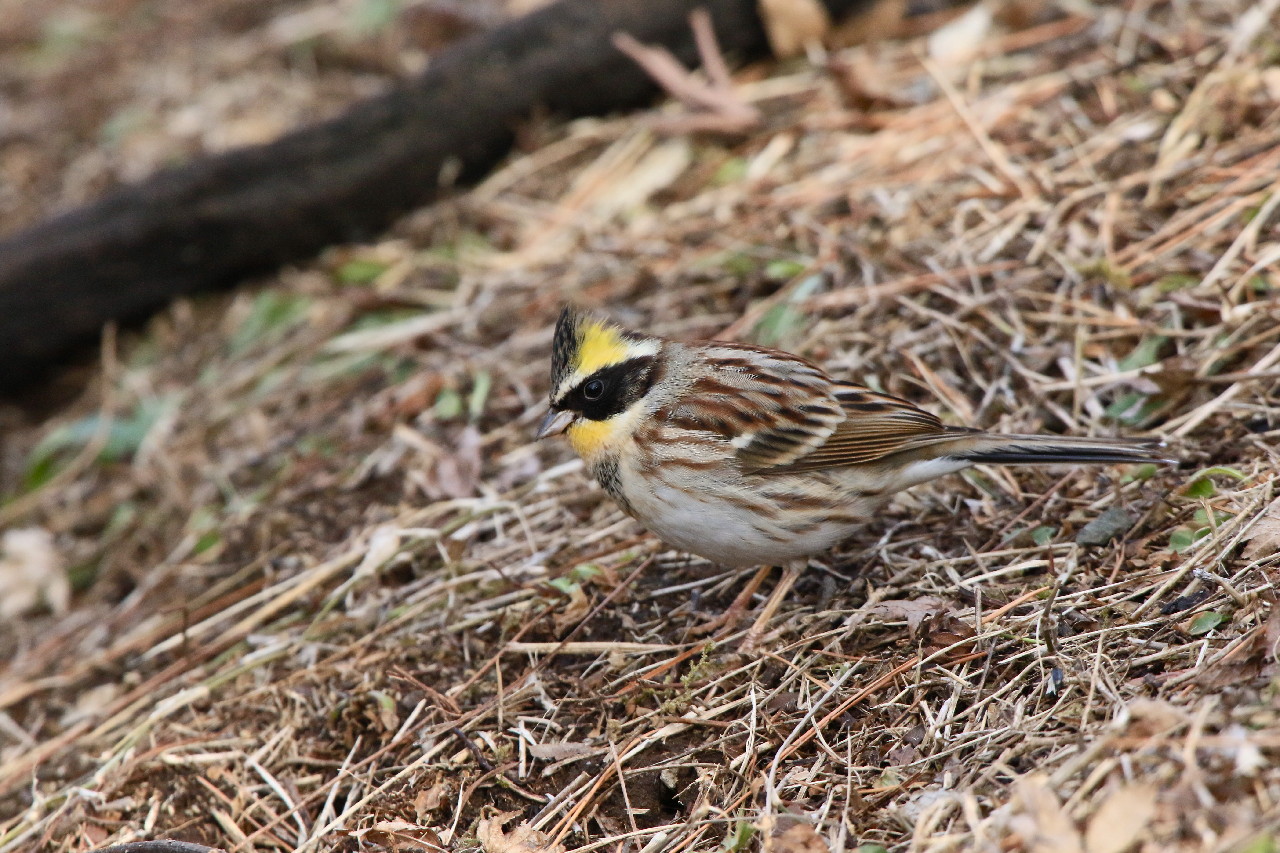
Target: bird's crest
point(584, 343)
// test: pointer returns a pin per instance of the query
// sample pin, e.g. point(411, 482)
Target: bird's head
point(599, 374)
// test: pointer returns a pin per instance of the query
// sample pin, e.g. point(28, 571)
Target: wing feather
point(874, 426)
point(773, 407)
point(782, 413)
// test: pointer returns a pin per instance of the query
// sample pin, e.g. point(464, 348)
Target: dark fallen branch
point(214, 221)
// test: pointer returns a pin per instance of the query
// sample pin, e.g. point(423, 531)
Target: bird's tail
point(995, 449)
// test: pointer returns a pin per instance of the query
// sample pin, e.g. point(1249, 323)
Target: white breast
point(748, 531)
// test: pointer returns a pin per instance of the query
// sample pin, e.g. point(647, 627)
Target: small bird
point(752, 456)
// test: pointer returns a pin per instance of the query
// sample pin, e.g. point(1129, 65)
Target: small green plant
point(120, 436)
point(740, 835)
point(1206, 622)
point(1186, 537)
point(783, 322)
point(360, 271)
point(270, 316)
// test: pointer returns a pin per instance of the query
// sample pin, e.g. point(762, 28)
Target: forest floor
point(287, 571)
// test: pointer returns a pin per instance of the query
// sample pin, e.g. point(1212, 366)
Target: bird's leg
point(733, 614)
point(790, 572)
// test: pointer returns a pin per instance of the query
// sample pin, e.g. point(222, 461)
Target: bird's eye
point(593, 390)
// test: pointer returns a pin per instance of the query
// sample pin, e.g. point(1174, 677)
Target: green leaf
point(360, 271)
point(1145, 354)
point(739, 264)
point(123, 515)
point(564, 584)
point(1122, 408)
point(1176, 281)
point(785, 319)
point(1206, 622)
point(374, 16)
point(1043, 535)
point(117, 129)
point(1251, 213)
point(586, 572)
point(448, 404)
point(271, 314)
point(385, 317)
point(65, 35)
point(784, 270)
point(730, 172)
point(778, 323)
point(1220, 471)
point(739, 836)
point(1261, 844)
point(207, 540)
point(1202, 519)
point(1184, 538)
point(385, 702)
point(1145, 471)
point(40, 470)
point(1202, 488)
point(482, 382)
point(123, 437)
point(1115, 276)
point(81, 576)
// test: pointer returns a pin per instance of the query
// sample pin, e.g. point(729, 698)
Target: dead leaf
point(913, 610)
point(902, 755)
point(1245, 663)
point(1152, 718)
point(1264, 536)
point(628, 189)
point(799, 837)
point(792, 24)
point(457, 474)
point(429, 799)
point(384, 543)
point(1176, 376)
point(522, 839)
point(1120, 820)
point(559, 751)
point(1112, 522)
point(944, 631)
point(573, 612)
point(1040, 821)
point(31, 573)
point(1242, 748)
point(399, 835)
point(960, 40)
point(1272, 632)
point(92, 703)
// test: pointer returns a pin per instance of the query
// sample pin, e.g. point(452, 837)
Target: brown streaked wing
point(875, 426)
point(775, 407)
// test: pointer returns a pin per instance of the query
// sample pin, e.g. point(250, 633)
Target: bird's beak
point(555, 423)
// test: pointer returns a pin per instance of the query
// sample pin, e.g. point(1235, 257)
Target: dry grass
point(331, 596)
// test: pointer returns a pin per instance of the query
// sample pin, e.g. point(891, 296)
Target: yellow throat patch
point(590, 438)
point(602, 345)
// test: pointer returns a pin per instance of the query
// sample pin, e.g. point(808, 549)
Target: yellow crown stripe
point(601, 346)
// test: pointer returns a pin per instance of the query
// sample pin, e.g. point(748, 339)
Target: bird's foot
point(724, 624)
point(755, 633)
point(728, 620)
